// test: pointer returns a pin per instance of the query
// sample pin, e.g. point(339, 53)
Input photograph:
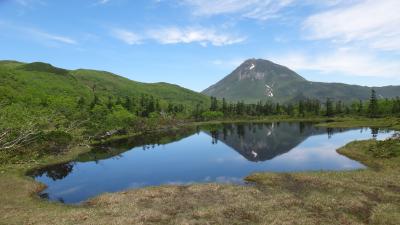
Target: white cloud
point(352, 63)
point(35, 33)
point(203, 36)
point(372, 23)
point(126, 36)
point(51, 37)
point(177, 35)
point(254, 9)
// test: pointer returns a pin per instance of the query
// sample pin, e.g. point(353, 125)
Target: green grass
point(370, 196)
point(348, 122)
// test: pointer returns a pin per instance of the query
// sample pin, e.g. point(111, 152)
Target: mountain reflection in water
point(202, 154)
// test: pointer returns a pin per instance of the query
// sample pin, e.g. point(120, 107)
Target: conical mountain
point(263, 142)
point(259, 79)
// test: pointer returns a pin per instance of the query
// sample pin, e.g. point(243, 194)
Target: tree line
point(374, 107)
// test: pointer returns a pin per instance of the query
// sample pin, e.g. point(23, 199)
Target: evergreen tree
point(128, 104)
point(317, 107)
point(360, 107)
point(214, 104)
point(278, 109)
point(290, 110)
point(396, 106)
point(339, 109)
point(224, 106)
point(197, 112)
point(151, 107)
point(301, 108)
point(240, 108)
point(329, 107)
point(373, 105)
point(96, 101)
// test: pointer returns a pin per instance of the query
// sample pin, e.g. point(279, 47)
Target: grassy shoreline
point(346, 197)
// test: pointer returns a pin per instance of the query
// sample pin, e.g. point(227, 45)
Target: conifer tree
point(329, 107)
point(373, 105)
point(224, 106)
point(96, 101)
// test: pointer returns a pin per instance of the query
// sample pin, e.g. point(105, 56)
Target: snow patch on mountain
point(252, 66)
point(269, 91)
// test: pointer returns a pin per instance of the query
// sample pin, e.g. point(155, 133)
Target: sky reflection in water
point(223, 154)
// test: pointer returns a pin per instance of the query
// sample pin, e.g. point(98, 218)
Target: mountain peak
point(260, 79)
point(254, 79)
point(252, 63)
point(264, 70)
point(259, 61)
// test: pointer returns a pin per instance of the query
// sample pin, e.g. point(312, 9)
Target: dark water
point(224, 154)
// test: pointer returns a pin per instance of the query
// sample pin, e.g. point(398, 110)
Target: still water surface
point(224, 154)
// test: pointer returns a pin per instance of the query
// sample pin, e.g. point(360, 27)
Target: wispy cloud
point(126, 36)
point(204, 36)
point(51, 37)
point(178, 35)
point(374, 24)
point(254, 9)
point(35, 33)
point(349, 62)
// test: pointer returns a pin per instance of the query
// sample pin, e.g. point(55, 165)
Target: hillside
point(49, 108)
point(258, 79)
point(35, 82)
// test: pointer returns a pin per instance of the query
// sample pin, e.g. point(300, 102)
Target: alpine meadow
point(200, 112)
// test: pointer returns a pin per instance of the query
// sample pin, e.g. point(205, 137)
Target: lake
point(215, 153)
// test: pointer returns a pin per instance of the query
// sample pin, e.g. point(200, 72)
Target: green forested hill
point(40, 81)
point(50, 107)
point(106, 83)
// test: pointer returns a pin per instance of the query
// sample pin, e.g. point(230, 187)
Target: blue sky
point(195, 43)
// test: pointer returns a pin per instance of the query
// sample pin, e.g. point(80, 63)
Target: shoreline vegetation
point(369, 196)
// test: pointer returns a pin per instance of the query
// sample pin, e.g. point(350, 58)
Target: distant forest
point(303, 108)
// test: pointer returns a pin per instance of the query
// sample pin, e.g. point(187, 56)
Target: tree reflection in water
point(55, 172)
